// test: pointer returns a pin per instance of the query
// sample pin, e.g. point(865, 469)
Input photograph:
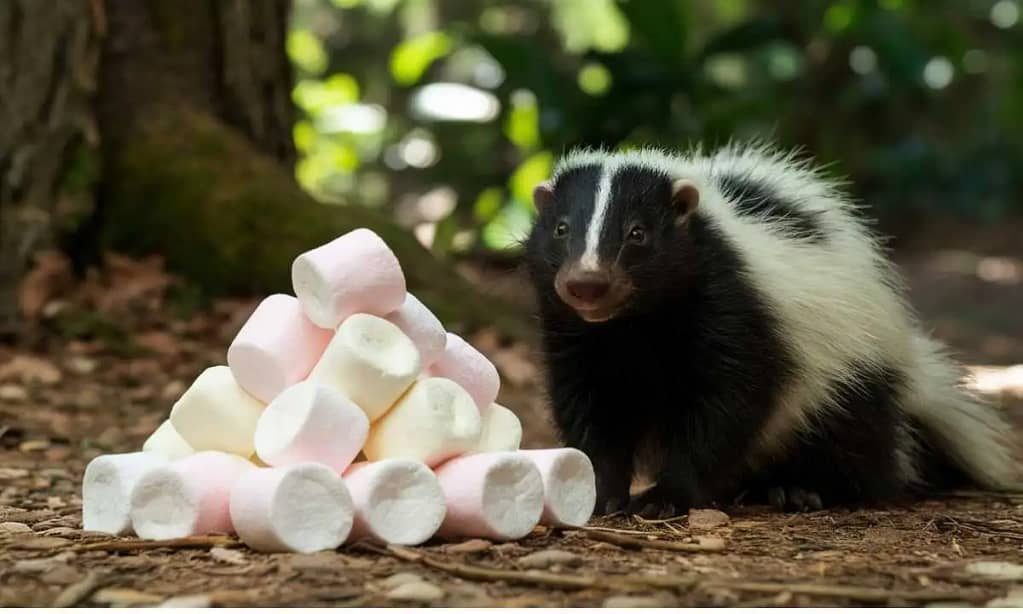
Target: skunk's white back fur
point(839, 302)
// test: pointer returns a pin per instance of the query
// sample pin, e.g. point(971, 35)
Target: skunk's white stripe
point(590, 260)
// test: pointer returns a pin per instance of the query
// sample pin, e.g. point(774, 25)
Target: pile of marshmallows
point(265, 447)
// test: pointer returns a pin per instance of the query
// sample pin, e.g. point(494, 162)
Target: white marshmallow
point(188, 497)
point(370, 361)
point(396, 501)
point(434, 421)
point(276, 347)
point(301, 508)
point(107, 487)
point(355, 273)
point(470, 369)
point(570, 490)
point(309, 422)
point(422, 327)
point(166, 442)
point(501, 430)
point(216, 414)
point(495, 495)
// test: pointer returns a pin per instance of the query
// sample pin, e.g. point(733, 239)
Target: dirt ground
point(110, 355)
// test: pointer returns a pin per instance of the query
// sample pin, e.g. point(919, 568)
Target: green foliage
point(918, 103)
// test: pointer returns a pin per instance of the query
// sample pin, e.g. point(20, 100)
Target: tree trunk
point(48, 54)
point(195, 116)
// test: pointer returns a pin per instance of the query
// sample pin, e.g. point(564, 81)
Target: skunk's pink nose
point(588, 287)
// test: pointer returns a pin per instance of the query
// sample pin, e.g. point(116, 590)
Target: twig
point(642, 520)
point(79, 591)
point(129, 545)
point(614, 530)
point(657, 544)
point(487, 574)
point(682, 583)
point(857, 593)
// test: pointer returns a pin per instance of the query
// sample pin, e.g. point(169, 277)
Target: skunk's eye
point(561, 230)
point(637, 235)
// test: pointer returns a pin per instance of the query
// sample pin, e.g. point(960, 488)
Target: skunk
point(728, 324)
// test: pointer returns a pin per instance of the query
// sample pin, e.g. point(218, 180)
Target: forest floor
point(111, 353)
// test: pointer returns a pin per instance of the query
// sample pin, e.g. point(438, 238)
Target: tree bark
point(48, 58)
point(195, 114)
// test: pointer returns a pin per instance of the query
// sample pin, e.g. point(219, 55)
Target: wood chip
point(14, 527)
point(469, 546)
point(223, 555)
point(996, 570)
point(125, 597)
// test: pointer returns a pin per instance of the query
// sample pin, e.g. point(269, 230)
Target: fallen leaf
point(14, 527)
point(12, 473)
point(159, 342)
point(400, 579)
point(49, 275)
point(13, 393)
point(27, 369)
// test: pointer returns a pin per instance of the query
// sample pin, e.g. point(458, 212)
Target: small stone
point(399, 579)
point(14, 527)
point(188, 601)
point(81, 365)
point(13, 393)
point(711, 541)
point(125, 597)
point(705, 520)
point(635, 601)
point(420, 592)
point(996, 570)
point(224, 555)
point(470, 546)
point(548, 558)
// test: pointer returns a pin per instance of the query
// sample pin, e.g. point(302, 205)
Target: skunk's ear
point(543, 195)
point(685, 197)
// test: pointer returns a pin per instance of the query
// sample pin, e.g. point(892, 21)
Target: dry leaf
point(26, 369)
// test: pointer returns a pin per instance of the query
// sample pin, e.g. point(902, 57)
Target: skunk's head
point(608, 234)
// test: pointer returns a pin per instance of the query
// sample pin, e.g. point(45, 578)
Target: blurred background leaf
point(447, 113)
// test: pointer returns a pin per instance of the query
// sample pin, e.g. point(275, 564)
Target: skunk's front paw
point(794, 499)
point(656, 503)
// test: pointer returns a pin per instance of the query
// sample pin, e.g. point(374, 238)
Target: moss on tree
point(231, 219)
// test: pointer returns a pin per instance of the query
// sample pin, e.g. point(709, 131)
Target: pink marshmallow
point(494, 495)
point(470, 369)
point(355, 273)
point(276, 347)
point(309, 422)
point(187, 497)
point(422, 327)
point(301, 508)
point(397, 501)
point(570, 490)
